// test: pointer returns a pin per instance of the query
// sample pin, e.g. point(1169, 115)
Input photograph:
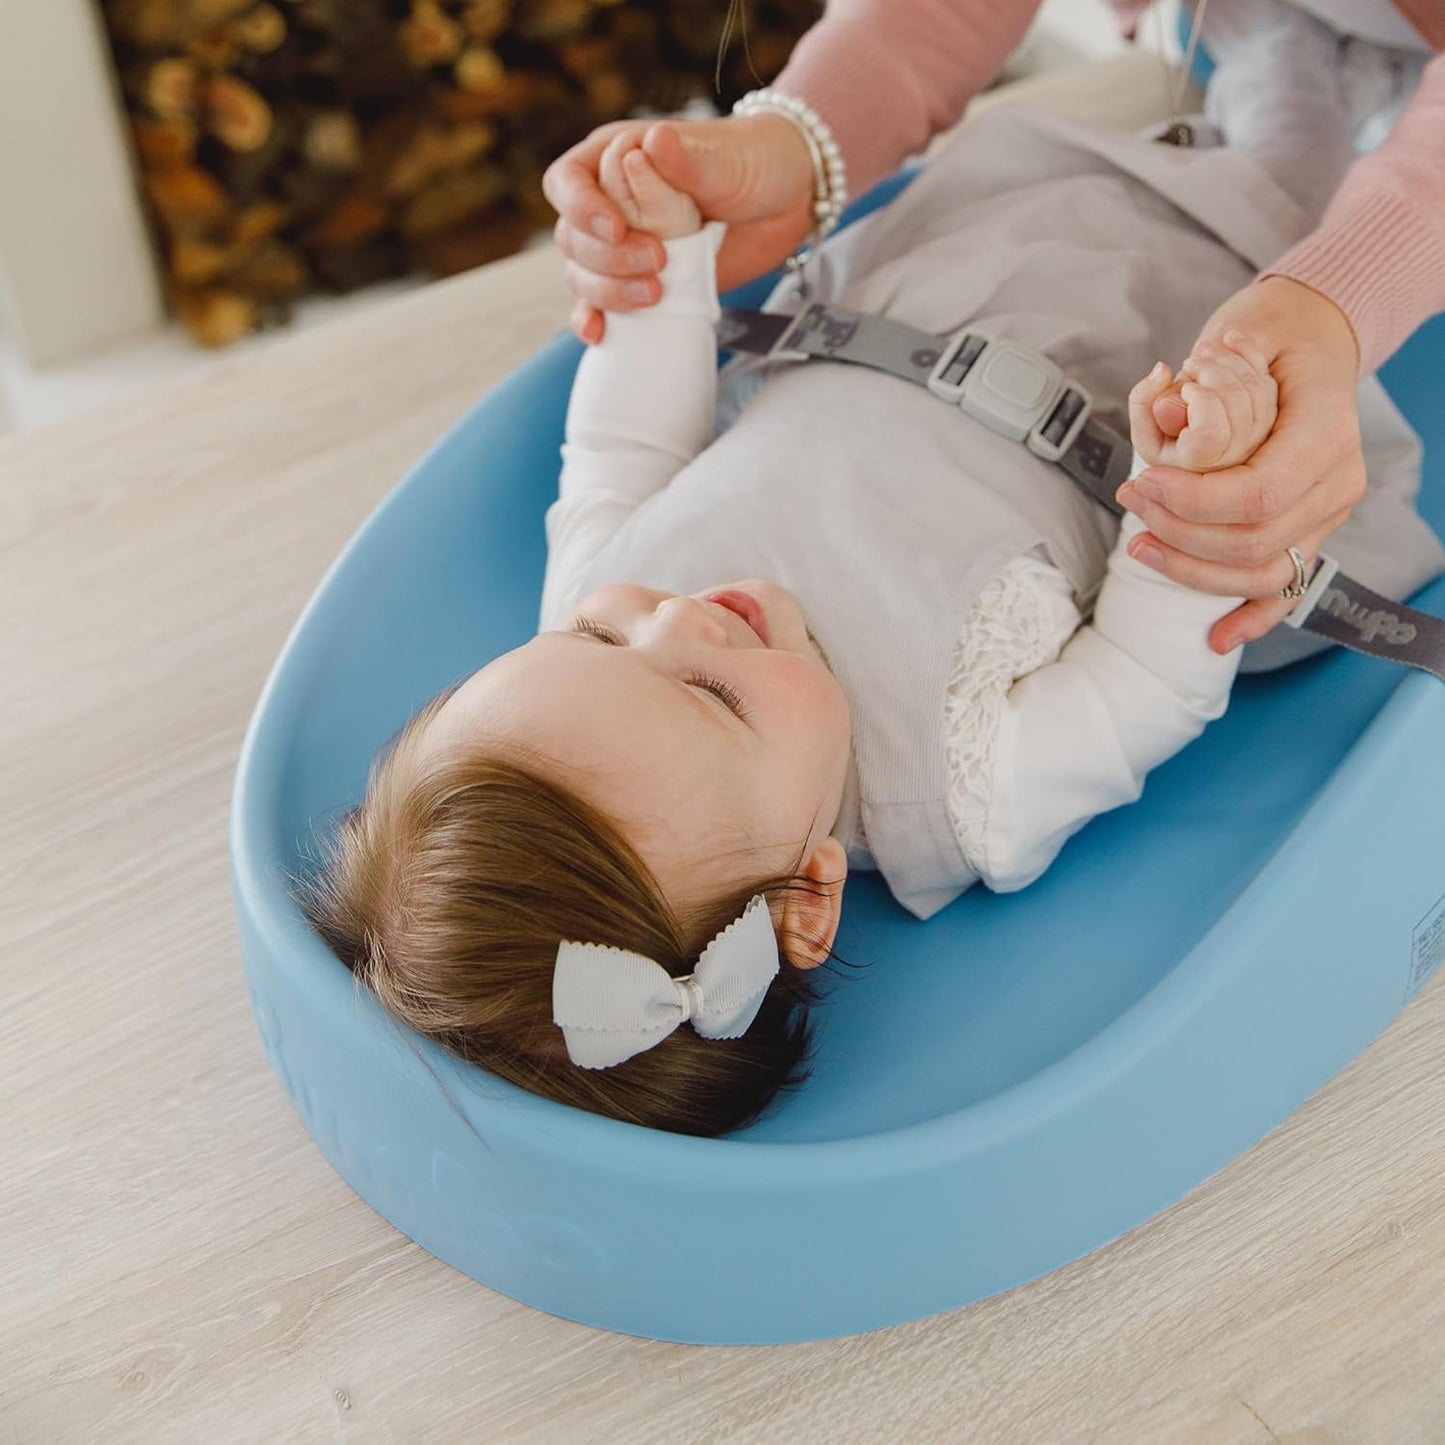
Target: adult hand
point(1226, 532)
point(752, 171)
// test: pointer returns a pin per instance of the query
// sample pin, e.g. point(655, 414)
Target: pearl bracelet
point(830, 177)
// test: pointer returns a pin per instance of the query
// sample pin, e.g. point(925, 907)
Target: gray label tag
point(1427, 948)
point(1352, 615)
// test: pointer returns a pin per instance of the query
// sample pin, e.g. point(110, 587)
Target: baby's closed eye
point(724, 691)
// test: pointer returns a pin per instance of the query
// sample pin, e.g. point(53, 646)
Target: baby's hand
point(1214, 415)
point(629, 179)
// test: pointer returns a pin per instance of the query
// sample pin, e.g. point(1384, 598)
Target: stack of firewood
point(291, 144)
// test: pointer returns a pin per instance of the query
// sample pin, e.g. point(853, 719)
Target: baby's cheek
point(818, 706)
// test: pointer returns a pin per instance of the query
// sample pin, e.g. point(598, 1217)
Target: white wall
point(75, 260)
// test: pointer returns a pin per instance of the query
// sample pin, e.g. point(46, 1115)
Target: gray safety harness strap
point(1093, 454)
point(1024, 396)
point(1348, 612)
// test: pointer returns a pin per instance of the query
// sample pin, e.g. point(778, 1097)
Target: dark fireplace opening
point(294, 145)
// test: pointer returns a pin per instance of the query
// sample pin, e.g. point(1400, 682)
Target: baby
point(869, 632)
point(644, 817)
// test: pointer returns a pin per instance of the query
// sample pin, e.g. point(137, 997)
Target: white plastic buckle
point(1325, 570)
point(1059, 429)
point(967, 349)
point(1009, 389)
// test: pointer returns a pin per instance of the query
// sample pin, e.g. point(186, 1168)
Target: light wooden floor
point(177, 1261)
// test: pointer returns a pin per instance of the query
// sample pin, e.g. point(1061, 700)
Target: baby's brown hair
point(447, 890)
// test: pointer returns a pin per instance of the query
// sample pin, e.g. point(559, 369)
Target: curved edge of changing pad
point(595, 1220)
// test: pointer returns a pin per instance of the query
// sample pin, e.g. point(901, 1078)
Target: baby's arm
point(1077, 736)
point(643, 402)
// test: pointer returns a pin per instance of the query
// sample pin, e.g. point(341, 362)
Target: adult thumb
point(703, 160)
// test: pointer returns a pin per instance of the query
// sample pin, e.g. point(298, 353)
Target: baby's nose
point(692, 617)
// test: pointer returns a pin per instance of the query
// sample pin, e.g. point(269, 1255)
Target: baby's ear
point(811, 914)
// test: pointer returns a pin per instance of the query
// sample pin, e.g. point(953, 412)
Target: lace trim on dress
point(1019, 622)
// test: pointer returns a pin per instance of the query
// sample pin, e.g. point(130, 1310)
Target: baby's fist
point(629, 179)
point(1219, 409)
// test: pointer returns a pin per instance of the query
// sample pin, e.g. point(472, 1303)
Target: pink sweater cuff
point(1379, 253)
point(1383, 265)
point(888, 76)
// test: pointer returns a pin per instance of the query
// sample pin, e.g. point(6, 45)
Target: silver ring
point(1301, 575)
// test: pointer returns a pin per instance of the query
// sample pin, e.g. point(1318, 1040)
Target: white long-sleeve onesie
point(1051, 720)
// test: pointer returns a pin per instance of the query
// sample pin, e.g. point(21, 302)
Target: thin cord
point(1156, 23)
point(737, 11)
point(1176, 131)
point(1189, 51)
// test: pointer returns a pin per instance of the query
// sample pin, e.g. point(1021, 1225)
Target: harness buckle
point(950, 372)
point(1018, 393)
point(1057, 432)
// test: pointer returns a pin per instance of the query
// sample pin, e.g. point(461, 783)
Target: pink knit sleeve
point(888, 75)
point(1379, 252)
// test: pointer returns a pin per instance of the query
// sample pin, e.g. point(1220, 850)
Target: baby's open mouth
point(746, 607)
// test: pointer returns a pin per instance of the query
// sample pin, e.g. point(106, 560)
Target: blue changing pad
point(1006, 1086)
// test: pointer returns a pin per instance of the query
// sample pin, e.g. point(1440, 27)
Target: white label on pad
point(1427, 948)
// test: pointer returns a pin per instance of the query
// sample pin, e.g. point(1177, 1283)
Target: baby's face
point(709, 726)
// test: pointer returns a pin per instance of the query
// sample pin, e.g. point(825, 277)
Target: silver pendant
point(1177, 133)
point(796, 265)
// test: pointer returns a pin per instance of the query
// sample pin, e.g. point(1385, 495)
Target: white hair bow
point(611, 1003)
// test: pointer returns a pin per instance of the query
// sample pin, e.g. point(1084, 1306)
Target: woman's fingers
point(616, 274)
point(608, 293)
point(1261, 579)
point(1288, 466)
point(588, 324)
point(1241, 516)
point(1239, 547)
point(638, 254)
point(754, 172)
point(1248, 623)
point(1252, 619)
point(570, 184)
